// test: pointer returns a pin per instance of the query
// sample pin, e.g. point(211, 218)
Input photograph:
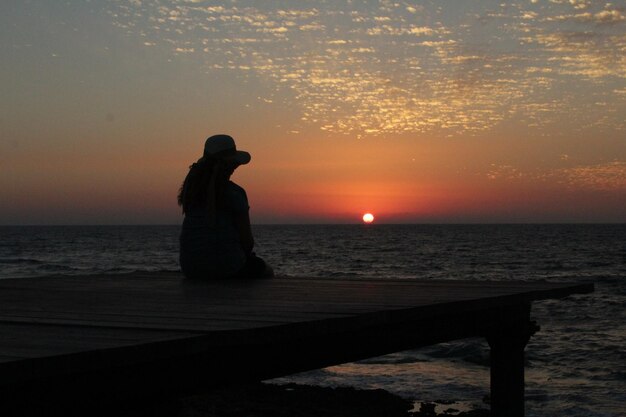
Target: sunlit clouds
point(610, 176)
point(383, 67)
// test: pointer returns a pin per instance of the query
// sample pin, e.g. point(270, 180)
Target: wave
point(474, 351)
point(21, 261)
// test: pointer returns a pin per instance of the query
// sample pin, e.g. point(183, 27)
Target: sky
point(441, 111)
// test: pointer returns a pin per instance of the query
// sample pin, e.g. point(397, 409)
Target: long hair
point(203, 185)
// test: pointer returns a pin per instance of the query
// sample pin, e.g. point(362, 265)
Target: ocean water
point(576, 364)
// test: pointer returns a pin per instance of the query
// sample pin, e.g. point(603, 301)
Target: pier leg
point(507, 344)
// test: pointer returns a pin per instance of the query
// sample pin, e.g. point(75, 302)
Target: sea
point(576, 363)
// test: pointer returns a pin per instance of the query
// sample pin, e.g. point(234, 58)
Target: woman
point(216, 239)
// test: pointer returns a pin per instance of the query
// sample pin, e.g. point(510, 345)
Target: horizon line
point(330, 224)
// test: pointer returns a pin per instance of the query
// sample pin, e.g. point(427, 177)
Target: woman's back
point(210, 246)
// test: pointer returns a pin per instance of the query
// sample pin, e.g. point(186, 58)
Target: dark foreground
point(291, 400)
point(69, 344)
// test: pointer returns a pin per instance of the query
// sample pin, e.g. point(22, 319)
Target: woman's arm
point(242, 221)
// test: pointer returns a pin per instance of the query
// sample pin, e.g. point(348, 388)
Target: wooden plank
point(152, 332)
point(211, 306)
point(253, 305)
point(31, 341)
point(84, 291)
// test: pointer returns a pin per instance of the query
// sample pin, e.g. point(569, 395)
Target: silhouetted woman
point(216, 240)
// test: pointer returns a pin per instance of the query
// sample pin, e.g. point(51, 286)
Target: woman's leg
point(255, 267)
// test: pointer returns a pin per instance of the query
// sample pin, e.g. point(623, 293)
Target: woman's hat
point(223, 147)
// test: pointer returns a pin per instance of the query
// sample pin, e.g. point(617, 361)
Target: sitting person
point(216, 239)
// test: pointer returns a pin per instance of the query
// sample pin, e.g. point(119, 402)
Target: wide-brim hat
point(223, 147)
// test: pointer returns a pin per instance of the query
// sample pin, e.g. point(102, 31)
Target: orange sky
point(429, 112)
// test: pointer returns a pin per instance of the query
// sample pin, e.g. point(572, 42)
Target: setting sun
point(368, 218)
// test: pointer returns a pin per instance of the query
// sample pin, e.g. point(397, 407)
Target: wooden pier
point(74, 343)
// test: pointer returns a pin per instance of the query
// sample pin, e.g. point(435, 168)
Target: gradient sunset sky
point(415, 111)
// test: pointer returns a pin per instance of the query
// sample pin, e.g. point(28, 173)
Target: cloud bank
point(383, 67)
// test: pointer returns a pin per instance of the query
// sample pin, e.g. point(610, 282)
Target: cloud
point(606, 176)
point(576, 4)
point(402, 31)
point(610, 17)
point(374, 68)
point(586, 54)
point(504, 172)
point(609, 176)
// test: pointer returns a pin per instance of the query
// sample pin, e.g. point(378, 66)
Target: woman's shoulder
point(232, 187)
point(237, 196)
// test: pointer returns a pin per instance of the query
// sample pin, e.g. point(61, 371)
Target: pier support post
point(507, 342)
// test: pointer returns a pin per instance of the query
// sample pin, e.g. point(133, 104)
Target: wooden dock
point(71, 343)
